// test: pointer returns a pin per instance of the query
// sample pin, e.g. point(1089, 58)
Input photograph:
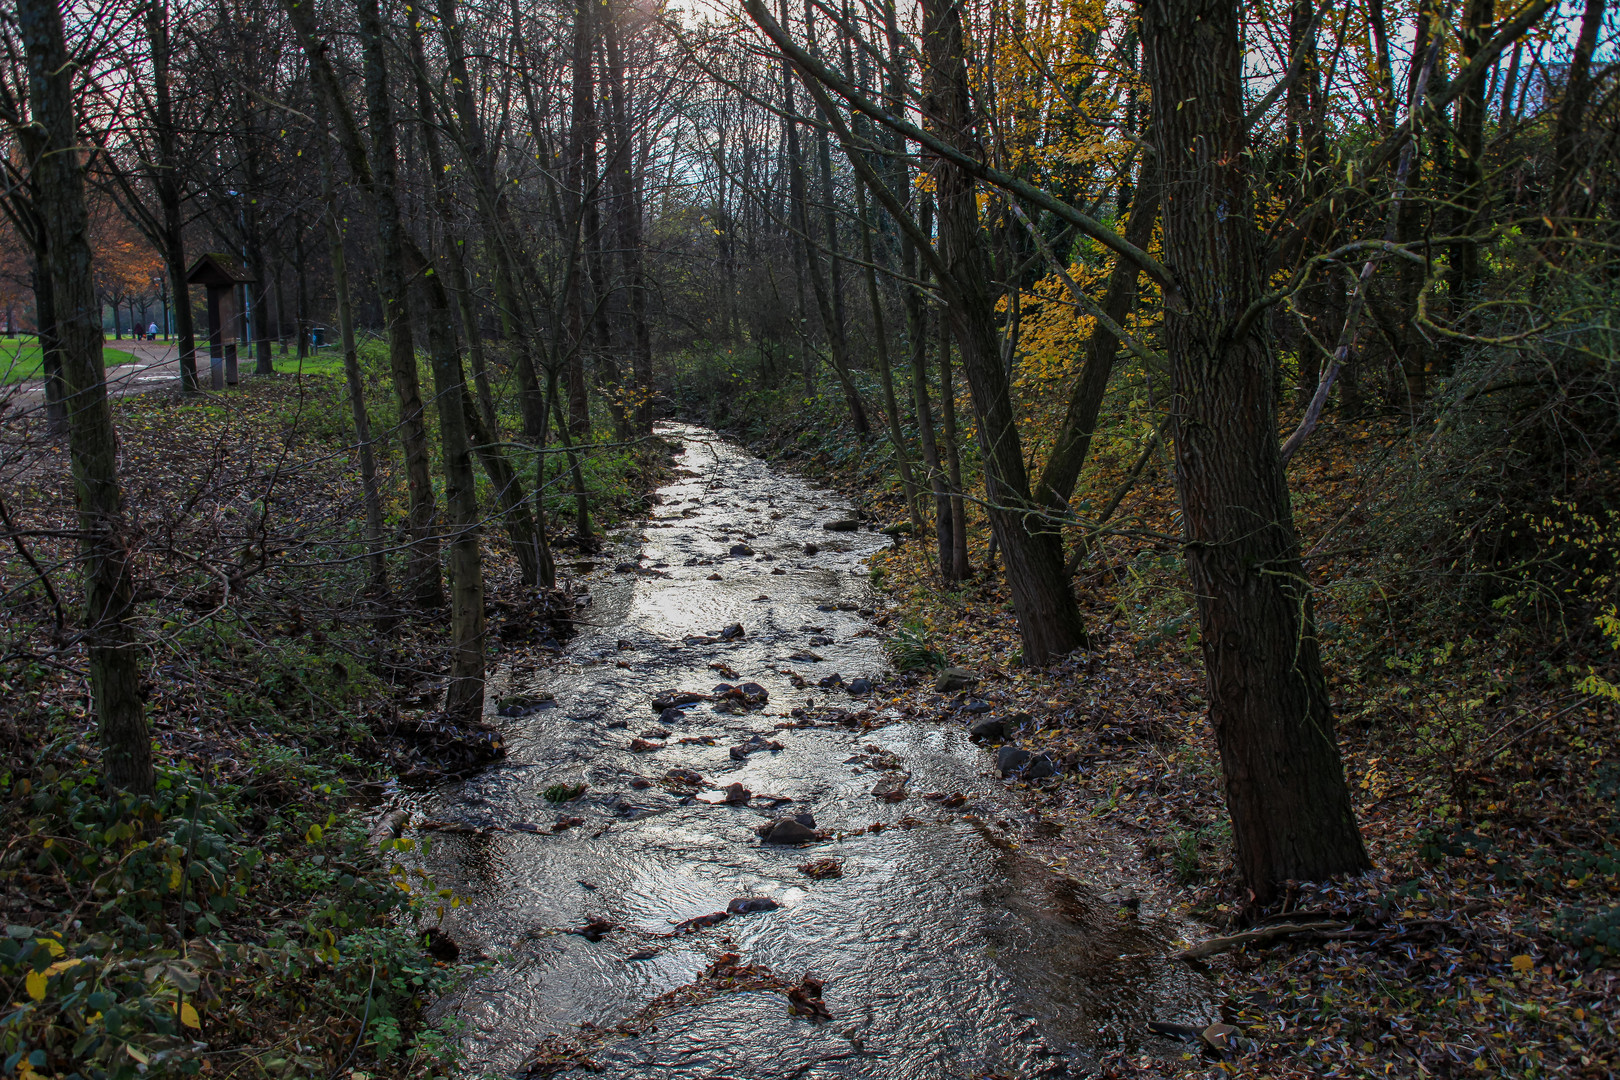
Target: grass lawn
point(20, 358)
point(327, 361)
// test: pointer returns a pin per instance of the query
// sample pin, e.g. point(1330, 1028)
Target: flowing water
point(944, 951)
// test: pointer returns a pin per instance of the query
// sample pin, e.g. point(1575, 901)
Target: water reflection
point(943, 952)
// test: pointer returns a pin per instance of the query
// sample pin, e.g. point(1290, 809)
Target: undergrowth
point(243, 921)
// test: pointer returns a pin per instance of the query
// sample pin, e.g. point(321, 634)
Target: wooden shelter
point(222, 275)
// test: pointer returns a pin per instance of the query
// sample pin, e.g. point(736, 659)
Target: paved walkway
point(152, 365)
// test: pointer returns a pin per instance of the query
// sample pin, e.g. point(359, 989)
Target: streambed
point(944, 951)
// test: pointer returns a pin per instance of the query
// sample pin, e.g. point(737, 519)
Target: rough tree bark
point(1048, 617)
point(109, 586)
point(1285, 788)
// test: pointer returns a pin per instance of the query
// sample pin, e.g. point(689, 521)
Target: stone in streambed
point(671, 699)
point(753, 744)
point(741, 551)
point(787, 831)
point(890, 790)
point(671, 716)
point(841, 525)
point(990, 729)
point(747, 905)
point(859, 687)
point(952, 679)
point(1040, 766)
point(812, 549)
point(1009, 759)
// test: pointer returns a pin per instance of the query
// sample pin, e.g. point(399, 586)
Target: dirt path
point(151, 366)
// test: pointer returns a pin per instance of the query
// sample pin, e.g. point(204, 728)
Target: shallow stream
point(944, 951)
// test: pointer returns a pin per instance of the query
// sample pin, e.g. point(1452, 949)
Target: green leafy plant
point(911, 649)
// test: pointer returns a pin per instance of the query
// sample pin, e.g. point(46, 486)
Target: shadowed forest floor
point(1487, 795)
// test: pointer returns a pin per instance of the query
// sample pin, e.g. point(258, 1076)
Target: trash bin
point(317, 336)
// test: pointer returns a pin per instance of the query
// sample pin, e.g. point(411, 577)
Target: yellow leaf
point(62, 965)
point(137, 1055)
point(188, 1016)
point(53, 946)
point(1522, 963)
point(36, 985)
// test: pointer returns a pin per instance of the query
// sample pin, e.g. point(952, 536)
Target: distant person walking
point(151, 332)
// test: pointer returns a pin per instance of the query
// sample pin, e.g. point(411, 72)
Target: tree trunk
point(953, 552)
point(582, 181)
point(331, 220)
point(516, 314)
point(1572, 111)
point(880, 341)
point(798, 219)
point(1048, 617)
point(829, 291)
point(464, 699)
point(917, 329)
point(166, 184)
point(509, 492)
point(627, 194)
point(422, 557)
point(1285, 789)
point(109, 586)
point(50, 349)
point(1468, 173)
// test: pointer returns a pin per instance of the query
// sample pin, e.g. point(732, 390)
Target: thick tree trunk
point(1048, 617)
point(464, 699)
point(422, 557)
point(109, 587)
point(1285, 789)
